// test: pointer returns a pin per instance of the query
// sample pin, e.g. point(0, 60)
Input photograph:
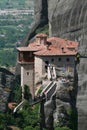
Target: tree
point(27, 94)
point(28, 128)
point(31, 128)
point(17, 93)
point(62, 128)
point(2, 121)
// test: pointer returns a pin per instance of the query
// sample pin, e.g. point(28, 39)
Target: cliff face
point(68, 19)
point(69, 16)
point(7, 82)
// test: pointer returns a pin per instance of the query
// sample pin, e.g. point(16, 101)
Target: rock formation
point(7, 79)
point(62, 105)
point(67, 18)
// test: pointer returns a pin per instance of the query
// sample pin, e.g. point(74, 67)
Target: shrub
point(62, 128)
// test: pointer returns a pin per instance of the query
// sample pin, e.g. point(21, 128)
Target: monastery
point(43, 53)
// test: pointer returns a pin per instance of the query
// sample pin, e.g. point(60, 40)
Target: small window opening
point(46, 62)
point(27, 73)
point(46, 65)
point(67, 59)
point(52, 60)
point(59, 59)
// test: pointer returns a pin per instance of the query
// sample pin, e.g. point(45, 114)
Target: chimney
point(41, 38)
point(62, 49)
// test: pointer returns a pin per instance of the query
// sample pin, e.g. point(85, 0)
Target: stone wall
point(58, 61)
point(38, 69)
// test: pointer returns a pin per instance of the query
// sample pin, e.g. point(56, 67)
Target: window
point(46, 62)
point(67, 59)
point(59, 59)
point(52, 60)
point(27, 73)
point(46, 65)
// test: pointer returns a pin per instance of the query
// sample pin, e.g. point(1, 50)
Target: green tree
point(17, 96)
point(27, 94)
point(62, 128)
point(31, 128)
point(74, 119)
point(28, 128)
point(2, 121)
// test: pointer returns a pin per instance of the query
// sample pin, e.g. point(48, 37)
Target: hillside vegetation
point(16, 18)
point(16, 4)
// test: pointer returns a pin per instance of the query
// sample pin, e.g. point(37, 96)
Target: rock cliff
point(7, 80)
point(67, 19)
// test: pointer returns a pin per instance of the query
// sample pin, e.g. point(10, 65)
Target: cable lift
point(34, 102)
point(19, 106)
point(45, 95)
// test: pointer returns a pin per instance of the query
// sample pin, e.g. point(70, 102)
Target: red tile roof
point(53, 46)
point(58, 47)
point(59, 42)
point(32, 47)
point(41, 35)
point(54, 52)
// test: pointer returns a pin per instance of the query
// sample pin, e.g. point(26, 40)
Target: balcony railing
point(26, 60)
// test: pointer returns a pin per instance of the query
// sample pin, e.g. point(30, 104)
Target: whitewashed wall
point(53, 60)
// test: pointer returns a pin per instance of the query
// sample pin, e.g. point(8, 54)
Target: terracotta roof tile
point(54, 51)
point(41, 35)
point(31, 47)
point(23, 49)
point(62, 42)
point(57, 46)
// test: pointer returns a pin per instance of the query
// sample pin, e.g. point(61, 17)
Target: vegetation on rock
point(44, 29)
point(26, 118)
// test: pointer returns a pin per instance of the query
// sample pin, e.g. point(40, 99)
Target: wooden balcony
point(25, 60)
